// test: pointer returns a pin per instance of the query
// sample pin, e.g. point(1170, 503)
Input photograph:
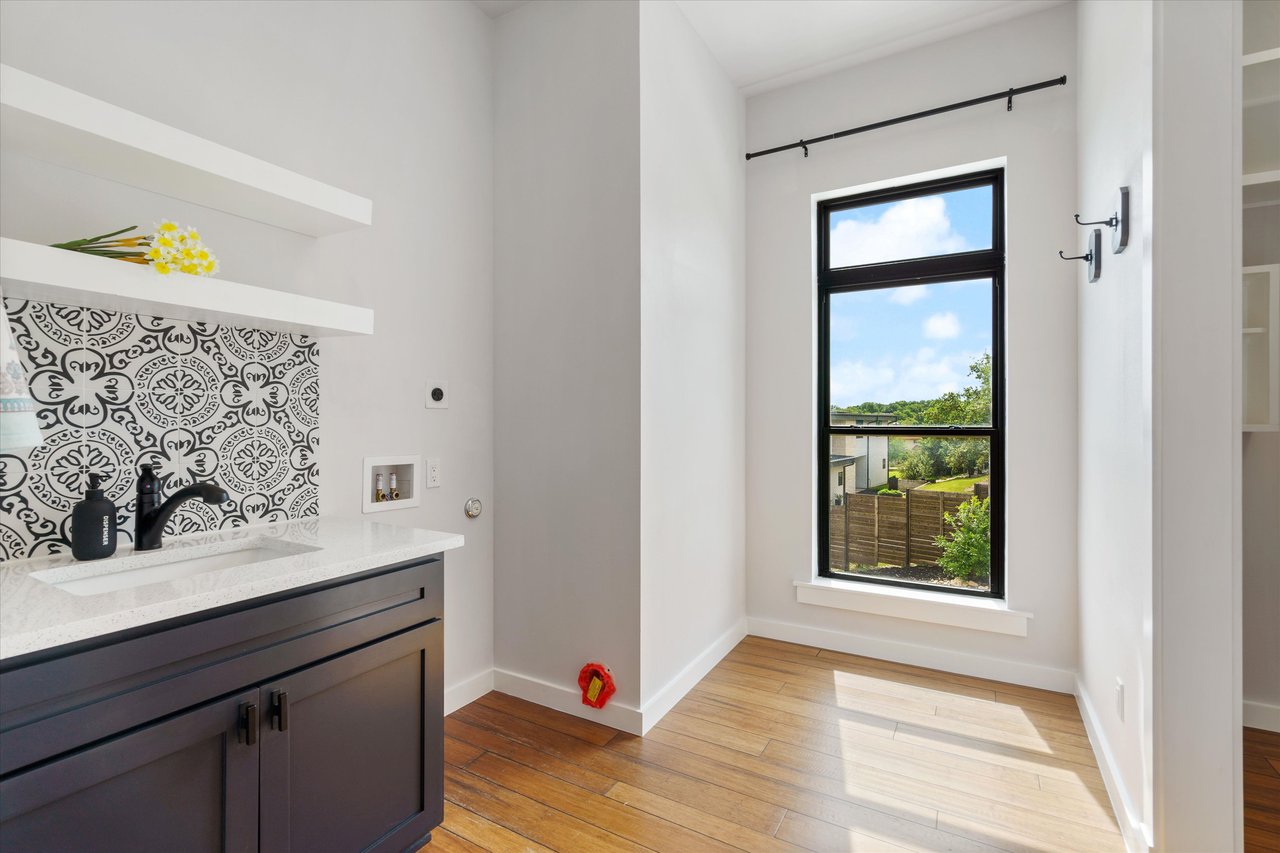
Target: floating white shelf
point(1250, 179)
point(1260, 56)
point(58, 125)
point(45, 274)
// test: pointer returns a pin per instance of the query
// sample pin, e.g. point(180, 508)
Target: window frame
point(937, 269)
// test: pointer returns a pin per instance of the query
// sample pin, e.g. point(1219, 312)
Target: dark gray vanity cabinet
point(331, 738)
point(180, 784)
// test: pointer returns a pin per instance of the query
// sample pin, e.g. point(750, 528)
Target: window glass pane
point(917, 354)
point(911, 508)
point(920, 227)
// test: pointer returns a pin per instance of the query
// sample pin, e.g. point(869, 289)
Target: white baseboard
point(467, 691)
point(567, 699)
point(1137, 835)
point(626, 718)
point(961, 663)
point(1260, 715)
point(666, 698)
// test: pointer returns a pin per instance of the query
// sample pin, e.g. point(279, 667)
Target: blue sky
point(911, 343)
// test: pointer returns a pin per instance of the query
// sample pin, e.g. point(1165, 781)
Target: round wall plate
point(473, 508)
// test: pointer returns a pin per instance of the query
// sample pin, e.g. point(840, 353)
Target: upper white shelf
point(58, 125)
point(45, 274)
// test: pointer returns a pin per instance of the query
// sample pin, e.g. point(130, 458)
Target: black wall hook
point(1008, 107)
point(805, 147)
point(1110, 223)
point(1118, 222)
point(1093, 257)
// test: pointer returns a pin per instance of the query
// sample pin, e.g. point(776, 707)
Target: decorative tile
point(202, 402)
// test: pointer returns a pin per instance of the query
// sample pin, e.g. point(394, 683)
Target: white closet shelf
point(52, 123)
point(44, 274)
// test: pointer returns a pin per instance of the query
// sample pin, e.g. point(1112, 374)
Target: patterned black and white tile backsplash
point(240, 407)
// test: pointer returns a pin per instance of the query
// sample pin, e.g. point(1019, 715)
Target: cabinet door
point(188, 783)
point(352, 749)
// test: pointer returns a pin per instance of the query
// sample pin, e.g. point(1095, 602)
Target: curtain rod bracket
point(805, 147)
point(1009, 106)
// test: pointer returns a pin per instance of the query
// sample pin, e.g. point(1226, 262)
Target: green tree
point(966, 548)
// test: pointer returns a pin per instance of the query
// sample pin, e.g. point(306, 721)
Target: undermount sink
point(140, 569)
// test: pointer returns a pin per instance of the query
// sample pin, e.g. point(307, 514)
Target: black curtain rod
point(995, 96)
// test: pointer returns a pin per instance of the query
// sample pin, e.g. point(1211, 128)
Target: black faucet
point(152, 515)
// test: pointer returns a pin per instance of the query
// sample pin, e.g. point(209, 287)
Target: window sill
point(939, 608)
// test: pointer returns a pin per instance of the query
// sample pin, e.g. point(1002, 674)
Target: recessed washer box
point(408, 471)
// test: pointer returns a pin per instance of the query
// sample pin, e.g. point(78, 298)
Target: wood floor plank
point(615, 817)
point(459, 754)
point(484, 833)
point(444, 841)
point(813, 834)
point(832, 739)
point(1064, 699)
point(742, 808)
point(727, 736)
point(699, 821)
point(586, 730)
point(833, 805)
point(1013, 733)
point(970, 703)
point(1008, 804)
point(784, 747)
point(527, 816)
point(485, 740)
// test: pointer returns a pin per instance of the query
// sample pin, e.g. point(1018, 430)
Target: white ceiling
point(765, 44)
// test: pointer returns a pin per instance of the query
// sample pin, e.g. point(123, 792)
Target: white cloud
point(942, 326)
point(921, 375)
point(908, 295)
point(914, 228)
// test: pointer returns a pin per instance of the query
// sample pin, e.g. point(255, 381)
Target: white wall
point(1196, 343)
point(1038, 140)
point(567, 346)
point(388, 100)
point(1261, 582)
point(691, 354)
point(1116, 451)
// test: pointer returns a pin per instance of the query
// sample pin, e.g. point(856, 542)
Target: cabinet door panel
point(358, 766)
point(188, 783)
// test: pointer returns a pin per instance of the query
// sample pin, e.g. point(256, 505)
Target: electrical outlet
point(433, 473)
point(437, 395)
point(1120, 698)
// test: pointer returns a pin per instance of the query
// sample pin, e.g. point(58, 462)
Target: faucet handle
point(148, 482)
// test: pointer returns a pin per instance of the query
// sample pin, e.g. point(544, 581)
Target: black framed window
point(911, 380)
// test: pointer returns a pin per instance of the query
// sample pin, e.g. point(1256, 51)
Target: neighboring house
point(858, 463)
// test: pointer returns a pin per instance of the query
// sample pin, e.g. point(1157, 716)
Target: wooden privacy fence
point(873, 529)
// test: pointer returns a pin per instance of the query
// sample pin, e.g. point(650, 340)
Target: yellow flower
point(167, 242)
point(162, 268)
point(189, 254)
point(189, 269)
point(193, 235)
point(209, 267)
point(202, 254)
point(154, 253)
point(167, 227)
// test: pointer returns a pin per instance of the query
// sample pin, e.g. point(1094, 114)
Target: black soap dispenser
point(93, 524)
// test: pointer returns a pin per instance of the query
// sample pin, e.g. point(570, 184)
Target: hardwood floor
point(1261, 791)
point(785, 748)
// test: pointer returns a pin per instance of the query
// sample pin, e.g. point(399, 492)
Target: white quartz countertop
point(46, 602)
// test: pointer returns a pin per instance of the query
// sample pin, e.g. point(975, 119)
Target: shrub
point(966, 549)
point(888, 491)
